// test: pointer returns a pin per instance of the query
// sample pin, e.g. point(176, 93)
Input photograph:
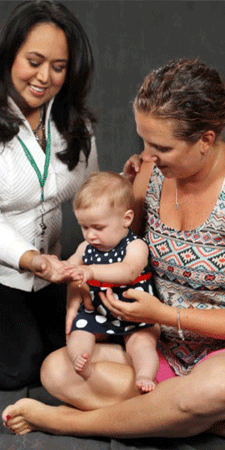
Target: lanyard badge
point(41, 241)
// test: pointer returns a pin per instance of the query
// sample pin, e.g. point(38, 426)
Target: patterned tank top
point(189, 272)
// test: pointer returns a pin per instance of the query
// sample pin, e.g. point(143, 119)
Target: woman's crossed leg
point(109, 405)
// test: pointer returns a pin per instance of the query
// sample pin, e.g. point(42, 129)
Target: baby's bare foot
point(80, 362)
point(145, 385)
point(81, 366)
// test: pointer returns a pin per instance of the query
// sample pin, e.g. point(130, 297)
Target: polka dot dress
point(100, 320)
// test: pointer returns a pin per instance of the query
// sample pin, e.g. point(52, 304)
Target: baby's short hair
point(110, 185)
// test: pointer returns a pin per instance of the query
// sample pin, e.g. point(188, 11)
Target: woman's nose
point(149, 155)
point(43, 73)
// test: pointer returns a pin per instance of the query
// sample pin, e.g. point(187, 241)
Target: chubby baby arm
point(124, 272)
point(76, 296)
point(82, 274)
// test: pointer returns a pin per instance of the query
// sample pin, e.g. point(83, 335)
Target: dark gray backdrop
point(128, 39)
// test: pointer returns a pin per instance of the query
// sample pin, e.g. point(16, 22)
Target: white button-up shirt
point(20, 192)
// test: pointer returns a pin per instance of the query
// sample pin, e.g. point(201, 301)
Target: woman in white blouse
point(46, 150)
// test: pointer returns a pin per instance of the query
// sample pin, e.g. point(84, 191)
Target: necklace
point(177, 204)
point(40, 127)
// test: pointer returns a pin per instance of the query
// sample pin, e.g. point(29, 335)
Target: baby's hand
point(82, 274)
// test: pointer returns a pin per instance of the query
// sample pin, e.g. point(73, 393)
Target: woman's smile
point(37, 90)
point(40, 66)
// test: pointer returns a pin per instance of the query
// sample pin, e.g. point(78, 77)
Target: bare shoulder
point(76, 258)
point(138, 245)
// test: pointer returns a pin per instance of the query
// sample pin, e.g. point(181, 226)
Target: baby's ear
point(128, 218)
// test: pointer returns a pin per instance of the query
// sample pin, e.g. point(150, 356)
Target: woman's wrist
point(167, 315)
point(25, 262)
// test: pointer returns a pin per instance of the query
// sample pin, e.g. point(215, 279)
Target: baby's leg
point(142, 348)
point(80, 347)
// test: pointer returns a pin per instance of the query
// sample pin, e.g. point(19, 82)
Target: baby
point(111, 256)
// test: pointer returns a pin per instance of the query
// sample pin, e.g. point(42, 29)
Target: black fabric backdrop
point(129, 38)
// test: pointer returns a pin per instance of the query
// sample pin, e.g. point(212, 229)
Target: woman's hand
point(76, 296)
point(46, 267)
point(146, 308)
point(132, 167)
point(133, 164)
point(50, 268)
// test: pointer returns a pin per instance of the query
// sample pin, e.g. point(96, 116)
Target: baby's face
point(102, 226)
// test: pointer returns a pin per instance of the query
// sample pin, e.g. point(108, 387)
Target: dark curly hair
point(69, 110)
point(188, 92)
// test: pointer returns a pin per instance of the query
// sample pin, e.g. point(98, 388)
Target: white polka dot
point(116, 296)
point(110, 332)
point(150, 290)
point(92, 295)
point(142, 324)
point(88, 311)
point(99, 259)
point(101, 310)
point(105, 254)
point(100, 319)
point(81, 323)
point(89, 250)
point(85, 260)
point(110, 260)
point(119, 259)
point(117, 323)
point(139, 288)
point(129, 327)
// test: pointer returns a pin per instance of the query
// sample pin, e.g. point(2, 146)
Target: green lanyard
point(41, 179)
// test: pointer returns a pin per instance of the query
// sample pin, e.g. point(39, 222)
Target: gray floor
point(42, 441)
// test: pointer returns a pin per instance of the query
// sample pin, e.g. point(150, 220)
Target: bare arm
point(76, 258)
point(140, 185)
point(123, 272)
point(75, 296)
point(149, 309)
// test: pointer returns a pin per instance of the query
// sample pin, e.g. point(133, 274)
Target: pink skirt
point(165, 371)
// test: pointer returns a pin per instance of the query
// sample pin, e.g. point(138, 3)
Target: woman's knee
point(205, 390)
point(53, 370)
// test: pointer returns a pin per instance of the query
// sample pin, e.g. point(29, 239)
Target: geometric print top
point(188, 271)
point(101, 321)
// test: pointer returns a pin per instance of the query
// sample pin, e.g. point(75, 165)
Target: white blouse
point(20, 192)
